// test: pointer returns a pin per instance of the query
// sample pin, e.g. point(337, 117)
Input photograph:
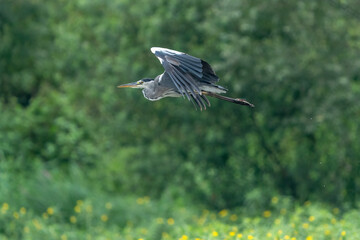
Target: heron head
point(138, 84)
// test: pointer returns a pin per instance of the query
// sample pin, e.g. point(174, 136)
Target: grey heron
point(185, 76)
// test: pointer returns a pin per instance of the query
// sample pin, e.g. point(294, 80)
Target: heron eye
point(140, 82)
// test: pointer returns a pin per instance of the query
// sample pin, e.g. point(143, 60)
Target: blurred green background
point(69, 137)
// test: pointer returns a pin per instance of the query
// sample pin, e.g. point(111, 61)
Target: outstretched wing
point(187, 73)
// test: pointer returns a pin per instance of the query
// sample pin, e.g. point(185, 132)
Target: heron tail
point(229, 99)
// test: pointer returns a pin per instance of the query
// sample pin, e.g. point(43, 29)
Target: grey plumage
point(185, 76)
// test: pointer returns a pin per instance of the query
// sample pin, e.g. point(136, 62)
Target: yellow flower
point(16, 215)
point(239, 235)
point(233, 217)
point(108, 205)
point(77, 208)
point(79, 202)
point(327, 232)
point(50, 211)
point(23, 210)
point(140, 239)
point(250, 237)
point(280, 232)
point(343, 233)
point(269, 235)
point(45, 216)
point(4, 208)
point(305, 225)
point(104, 218)
point(309, 238)
point(140, 201)
point(275, 200)
point(293, 238)
point(184, 237)
point(333, 220)
point(73, 219)
point(223, 213)
point(286, 237)
point(36, 224)
point(63, 237)
point(311, 218)
point(26, 229)
point(232, 234)
point(215, 233)
point(267, 214)
point(170, 221)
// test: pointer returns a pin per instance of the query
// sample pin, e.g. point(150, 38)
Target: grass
point(50, 206)
point(143, 218)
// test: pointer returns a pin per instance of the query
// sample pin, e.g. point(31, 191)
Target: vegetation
point(81, 159)
point(52, 206)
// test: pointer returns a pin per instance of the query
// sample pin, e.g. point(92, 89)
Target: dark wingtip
point(249, 104)
point(244, 102)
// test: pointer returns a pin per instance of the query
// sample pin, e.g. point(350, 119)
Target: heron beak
point(129, 85)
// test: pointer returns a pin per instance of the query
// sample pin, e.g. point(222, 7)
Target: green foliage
point(51, 205)
point(50, 129)
point(297, 61)
point(25, 49)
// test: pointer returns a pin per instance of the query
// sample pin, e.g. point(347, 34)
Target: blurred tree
point(24, 49)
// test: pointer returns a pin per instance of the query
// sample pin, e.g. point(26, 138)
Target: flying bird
point(185, 76)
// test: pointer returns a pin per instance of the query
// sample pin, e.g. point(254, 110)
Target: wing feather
point(188, 85)
point(188, 79)
point(187, 73)
point(180, 85)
